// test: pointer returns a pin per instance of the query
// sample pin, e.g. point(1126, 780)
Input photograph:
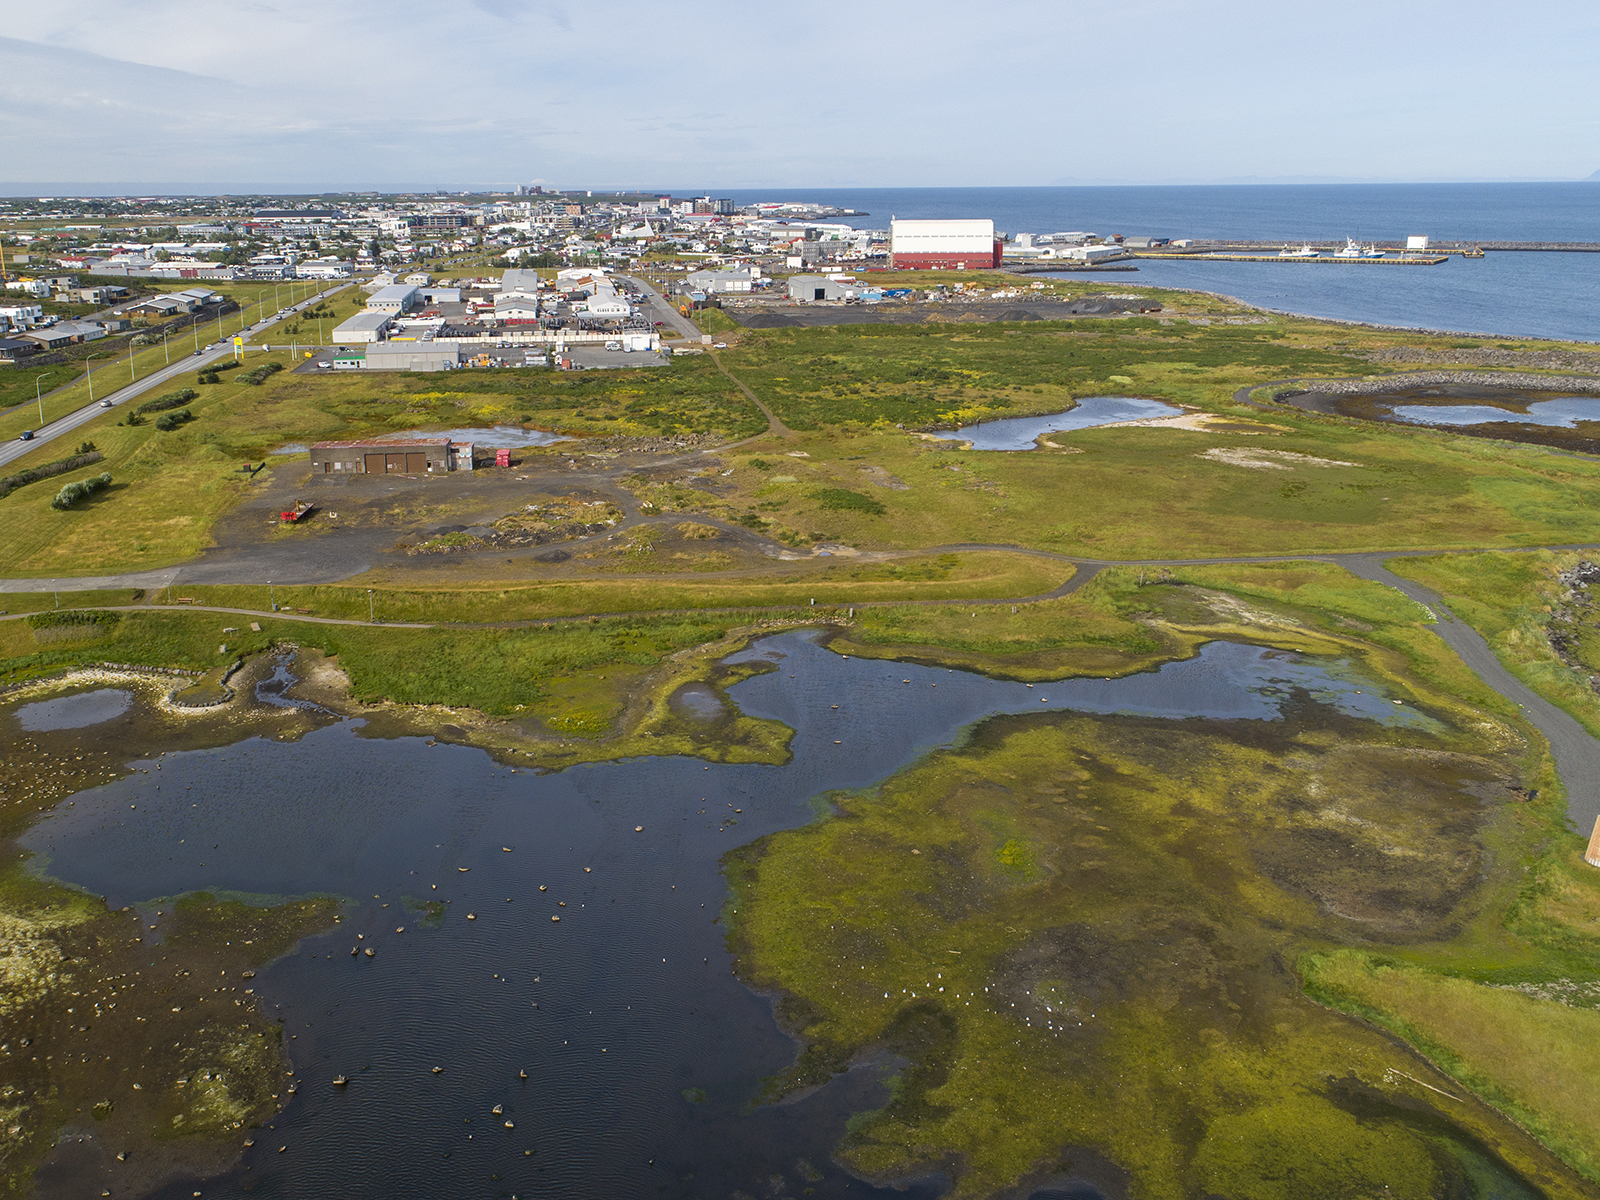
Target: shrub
point(167, 422)
point(843, 498)
point(162, 403)
point(72, 624)
point(260, 375)
point(61, 466)
point(82, 490)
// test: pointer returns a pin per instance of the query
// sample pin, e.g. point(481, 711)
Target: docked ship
point(1354, 249)
point(1303, 252)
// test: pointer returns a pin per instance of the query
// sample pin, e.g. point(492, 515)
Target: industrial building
point(831, 287)
point(718, 282)
point(515, 308)
point(1092, 254)
point(396, 298)
point(520, 282)
point(413, 356)
point(943, 245)
point(363, 327)
point(382, 456)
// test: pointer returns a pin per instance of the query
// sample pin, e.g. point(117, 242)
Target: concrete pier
point(1414, 260)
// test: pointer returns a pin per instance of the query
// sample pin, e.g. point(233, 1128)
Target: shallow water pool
point(1020, 433)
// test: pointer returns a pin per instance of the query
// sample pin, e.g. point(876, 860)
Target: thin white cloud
point(355, 93)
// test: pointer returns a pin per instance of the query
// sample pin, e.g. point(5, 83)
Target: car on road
point(197, 354)
point(27, 436)
point(105, 404)
point(720, 346)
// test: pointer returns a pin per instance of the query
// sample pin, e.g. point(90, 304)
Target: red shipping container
point(502, 458)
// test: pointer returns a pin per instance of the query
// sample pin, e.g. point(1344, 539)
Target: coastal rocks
point(1411, 379)
point(1574, 621)
point(1491, 356)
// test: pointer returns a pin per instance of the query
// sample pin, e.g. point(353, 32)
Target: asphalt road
point(11, 451)
point(659, 308)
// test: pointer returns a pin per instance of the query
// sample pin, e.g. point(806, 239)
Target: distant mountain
point(1595, 178)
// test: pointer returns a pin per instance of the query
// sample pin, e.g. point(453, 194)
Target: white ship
point(1303, 252)
point(1354, 249)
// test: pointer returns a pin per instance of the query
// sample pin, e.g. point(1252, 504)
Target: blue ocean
point(1521, 294)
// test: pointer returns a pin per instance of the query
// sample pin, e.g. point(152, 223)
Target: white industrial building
point(413, 356)
point(610, 308)
point(396, 298)
point(943, 245)
point(1091, 254)
point(810, 288)
point(719, 282)
point(516, 308)
point(364, 327)
point(517, 282)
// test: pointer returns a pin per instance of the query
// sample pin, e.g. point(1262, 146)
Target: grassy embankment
point(1111, 904)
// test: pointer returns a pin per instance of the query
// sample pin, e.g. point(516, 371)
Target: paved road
point(11, 451)
point(662, 309)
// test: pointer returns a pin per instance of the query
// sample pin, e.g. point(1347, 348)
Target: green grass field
point(1253, 483)
point(1138, 492)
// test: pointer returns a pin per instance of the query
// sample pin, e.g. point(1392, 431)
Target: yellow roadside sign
point(238, 341)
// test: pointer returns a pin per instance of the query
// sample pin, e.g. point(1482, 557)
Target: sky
point(354, 95)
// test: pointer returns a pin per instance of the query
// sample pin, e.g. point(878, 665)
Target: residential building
point(22, 316)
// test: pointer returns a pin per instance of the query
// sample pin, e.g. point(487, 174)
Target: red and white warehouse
point(943, 245)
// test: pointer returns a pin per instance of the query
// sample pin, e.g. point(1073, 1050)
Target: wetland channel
point(641, 1063)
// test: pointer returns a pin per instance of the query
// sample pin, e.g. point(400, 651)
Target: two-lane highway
point(13, 450)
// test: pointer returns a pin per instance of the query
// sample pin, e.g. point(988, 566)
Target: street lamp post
point(88, 371)
point(372, 613)
point(272, 596)
point(38, 397)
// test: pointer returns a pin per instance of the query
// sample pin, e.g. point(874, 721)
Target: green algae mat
point(1084, 944)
